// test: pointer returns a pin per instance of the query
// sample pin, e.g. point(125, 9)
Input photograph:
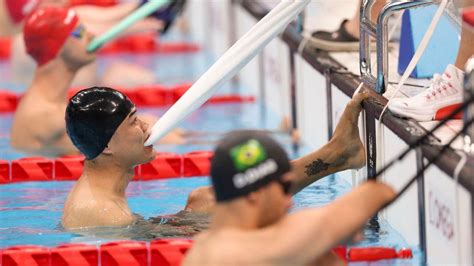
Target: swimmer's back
point(38, 127)
point(232, 247)
point(227, 248)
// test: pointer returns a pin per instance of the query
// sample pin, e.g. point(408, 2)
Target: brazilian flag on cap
point(248, 154)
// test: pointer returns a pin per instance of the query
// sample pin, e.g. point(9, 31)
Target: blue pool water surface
point(30, 212)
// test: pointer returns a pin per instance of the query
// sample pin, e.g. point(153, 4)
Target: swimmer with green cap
point(102, 123)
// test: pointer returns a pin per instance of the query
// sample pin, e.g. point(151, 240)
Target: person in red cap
point(57, 41)
point(97, 20)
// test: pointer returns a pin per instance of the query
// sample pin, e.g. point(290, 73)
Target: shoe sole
point(440, 114)
point(404, 113)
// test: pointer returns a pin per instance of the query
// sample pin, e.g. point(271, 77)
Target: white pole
point(228, 65)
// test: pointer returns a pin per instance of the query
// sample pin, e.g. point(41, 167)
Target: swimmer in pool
point(57, 40)
point(103, 125)
point(252, 180)
point(96, 20)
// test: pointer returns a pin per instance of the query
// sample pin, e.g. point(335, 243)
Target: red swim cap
point(19, 9)
point(46, 30)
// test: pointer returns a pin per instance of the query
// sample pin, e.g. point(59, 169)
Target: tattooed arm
point(316, 165)
point(344, 151)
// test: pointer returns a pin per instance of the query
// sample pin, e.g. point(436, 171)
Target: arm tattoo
point(316, 167)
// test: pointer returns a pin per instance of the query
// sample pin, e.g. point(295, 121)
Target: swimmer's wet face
point(103, 121)
point(127, 143)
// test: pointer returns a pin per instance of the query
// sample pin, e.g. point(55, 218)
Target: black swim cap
point(93, 115)
point(245, 161)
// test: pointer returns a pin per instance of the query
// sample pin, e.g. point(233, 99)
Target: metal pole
point(421, 204)
point(261, 84)
point(327, 75)
point(371, 151)
point(294, 115)
point(233, 37)
point(293, 89)
point(469, 112)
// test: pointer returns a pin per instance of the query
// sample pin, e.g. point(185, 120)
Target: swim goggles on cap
point(79, 32)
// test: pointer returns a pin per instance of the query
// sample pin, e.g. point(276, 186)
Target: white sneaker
point(443, 95)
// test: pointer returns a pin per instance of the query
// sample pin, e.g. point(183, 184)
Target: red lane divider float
point(378, 253)
point(159, 252)
point(124, 253)
point(143, 96)
point(147, 43)
point(8, 101)
point(68, 167)
point(75, 255)
point(136, 44)
point(164, 166)
point(230, 99)
point(26, 255)
point(162, 252)
point(197, 163)
point(4, 171)
point(371, 253)
point(32, 169)
point(168, 252)
point(152, 95)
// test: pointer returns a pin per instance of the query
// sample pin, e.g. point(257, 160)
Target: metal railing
point(379, 31)
point(469, 112)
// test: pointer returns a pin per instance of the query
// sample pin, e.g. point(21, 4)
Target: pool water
point(30, 212)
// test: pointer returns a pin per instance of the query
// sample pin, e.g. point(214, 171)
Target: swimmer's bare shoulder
point(92, 214)
point(201, 200)
point(82, 209)
point(38, 127)
point(237, 247)
point(279, 244)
